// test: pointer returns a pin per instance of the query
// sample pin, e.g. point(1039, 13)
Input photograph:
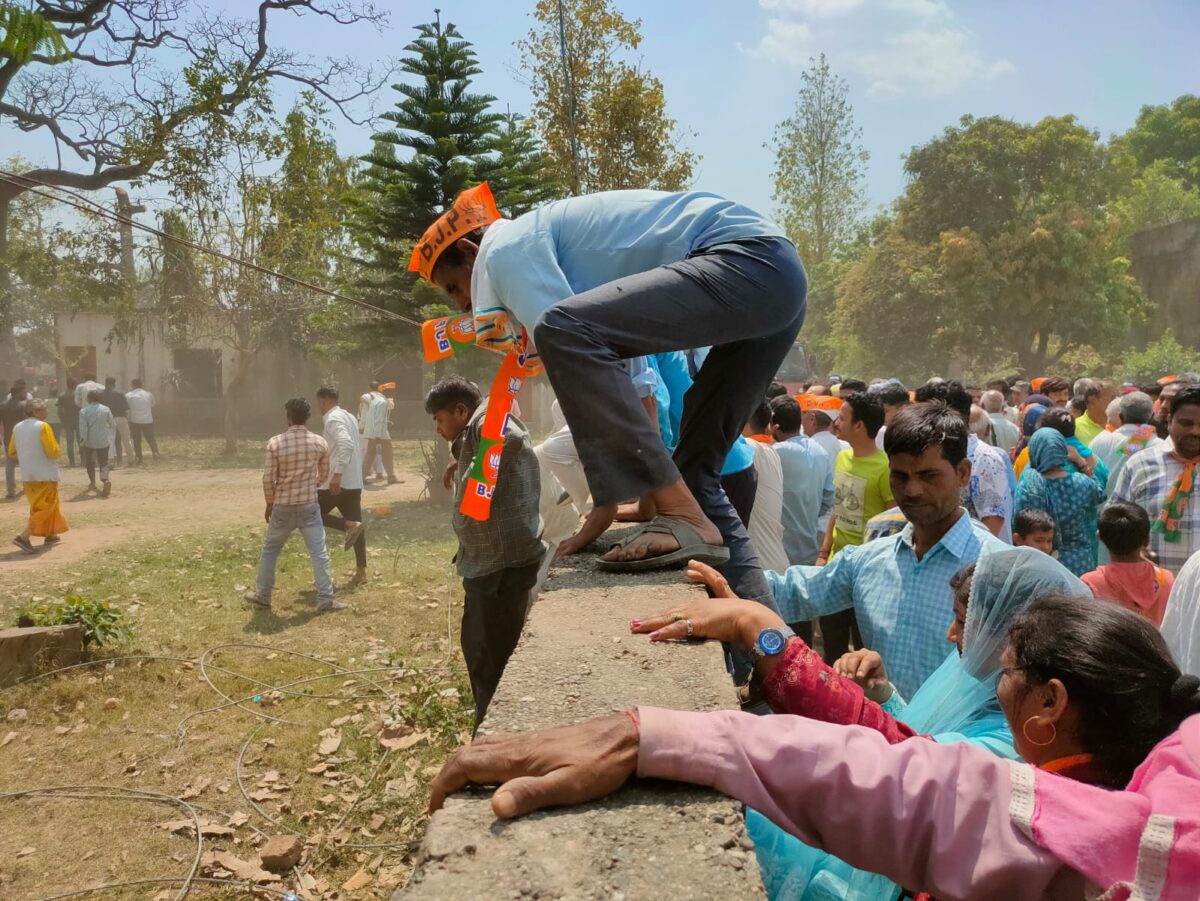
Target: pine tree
point(447, 133)
point(521, 175)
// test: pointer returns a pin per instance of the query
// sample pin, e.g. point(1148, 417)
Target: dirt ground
point(156, 500)
point(173, 548)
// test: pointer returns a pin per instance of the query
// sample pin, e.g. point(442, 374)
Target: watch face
point(771, 641)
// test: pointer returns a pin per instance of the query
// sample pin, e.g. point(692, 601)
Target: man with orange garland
point(587, 282)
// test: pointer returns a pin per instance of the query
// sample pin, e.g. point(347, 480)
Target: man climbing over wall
point(595, 280)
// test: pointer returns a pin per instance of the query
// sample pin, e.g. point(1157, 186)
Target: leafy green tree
point(110, 120)
point(819, 167)
point(292, 221)
point(1165, 356)
point(1154, 197)
point(1169, 133)
point(603, 120)
point(1001, 247)
point(520, 173)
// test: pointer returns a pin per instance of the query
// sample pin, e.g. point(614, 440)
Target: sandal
point(691, 547)
point(25, 544)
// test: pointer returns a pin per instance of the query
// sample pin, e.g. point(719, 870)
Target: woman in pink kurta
point(1090, 691)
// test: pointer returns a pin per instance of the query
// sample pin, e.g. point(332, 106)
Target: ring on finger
point(689, 627)
point(676, 618)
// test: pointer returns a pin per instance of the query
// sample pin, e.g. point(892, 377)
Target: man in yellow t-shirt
point(862, 487)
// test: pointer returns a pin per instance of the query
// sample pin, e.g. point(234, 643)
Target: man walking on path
point(342, 488)
point(116, 402)
point(297, 463)
point(96, 430)
point(33, 445)
point(373, 410)
point(141, 419)
point(12, 411)
point(68, 419)
point(86, 387)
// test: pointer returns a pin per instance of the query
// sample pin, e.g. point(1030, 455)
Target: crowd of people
point(1073, 649)
point(1043, 528)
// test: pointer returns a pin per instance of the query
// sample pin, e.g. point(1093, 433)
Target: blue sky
point(731, 67)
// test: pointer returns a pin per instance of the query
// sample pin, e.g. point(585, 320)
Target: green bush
point(1166, 356)
point(102, 622)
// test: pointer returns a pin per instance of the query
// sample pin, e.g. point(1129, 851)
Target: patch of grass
point(151, 724)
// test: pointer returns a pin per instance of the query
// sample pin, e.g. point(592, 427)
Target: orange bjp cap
point(825, 403)
point(474, 208)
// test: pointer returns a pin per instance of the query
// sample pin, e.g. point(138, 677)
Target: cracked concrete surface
point(576, 660)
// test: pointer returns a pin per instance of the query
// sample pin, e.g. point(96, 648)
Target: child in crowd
point(1034, 528)
point(498, 558)
point(1130, 579)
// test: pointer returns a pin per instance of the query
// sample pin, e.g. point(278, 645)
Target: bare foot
point(358, 578)
point(642, 511)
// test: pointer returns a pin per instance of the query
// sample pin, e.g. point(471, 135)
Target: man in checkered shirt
point(297, 464)
point(899, 587)
point(1161, 480)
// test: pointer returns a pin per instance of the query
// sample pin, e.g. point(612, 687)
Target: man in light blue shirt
point(97, 428)
point(808, 491)
point(607, 277)
point(899, 587)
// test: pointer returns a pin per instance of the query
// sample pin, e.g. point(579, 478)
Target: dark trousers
point(67, 434)
point(741, 488)
point(348, 502)
point(747, 300)
point(96, 458)
point(494, 610)
point(138, 431)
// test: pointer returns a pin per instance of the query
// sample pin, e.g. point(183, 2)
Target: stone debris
point(281, 853)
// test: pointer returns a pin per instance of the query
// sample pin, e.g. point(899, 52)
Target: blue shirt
point(571, 246)
point(96, 426)
point(904, 606)
point(807, 496)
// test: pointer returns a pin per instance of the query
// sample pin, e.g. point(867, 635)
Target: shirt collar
point(956, 540)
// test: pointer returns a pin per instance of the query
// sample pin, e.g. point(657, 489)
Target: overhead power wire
point(83, 204)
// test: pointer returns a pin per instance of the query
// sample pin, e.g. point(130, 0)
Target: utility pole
point(569, 85)
point(125, 211)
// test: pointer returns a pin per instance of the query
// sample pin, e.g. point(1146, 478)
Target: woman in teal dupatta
point(957, 703)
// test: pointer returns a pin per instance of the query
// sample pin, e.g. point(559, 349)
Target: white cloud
point(786, 41)
point(926, 9)
point(930, 63)
point(812, 7)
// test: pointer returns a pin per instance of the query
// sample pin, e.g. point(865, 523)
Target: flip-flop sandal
point(691, 547)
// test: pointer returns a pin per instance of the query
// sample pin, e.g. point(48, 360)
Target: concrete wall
point(273, 377)
point(1166, 263)
point(656, 840)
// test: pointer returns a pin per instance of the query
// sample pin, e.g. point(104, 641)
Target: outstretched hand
point(866, 668)
point(548, 768)
point(724, 617)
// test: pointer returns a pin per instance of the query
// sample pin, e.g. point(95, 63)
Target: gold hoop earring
point(1039, 744)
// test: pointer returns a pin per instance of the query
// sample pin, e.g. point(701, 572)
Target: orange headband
point(387, 386)
point(823, 403)
point(473, 209)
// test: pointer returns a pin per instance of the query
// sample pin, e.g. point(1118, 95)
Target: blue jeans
point(305, 518)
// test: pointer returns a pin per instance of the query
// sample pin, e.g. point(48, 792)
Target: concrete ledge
point(26, 651)
point(652, 840)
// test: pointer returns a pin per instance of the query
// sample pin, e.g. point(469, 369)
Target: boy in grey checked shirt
point(499, 557)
